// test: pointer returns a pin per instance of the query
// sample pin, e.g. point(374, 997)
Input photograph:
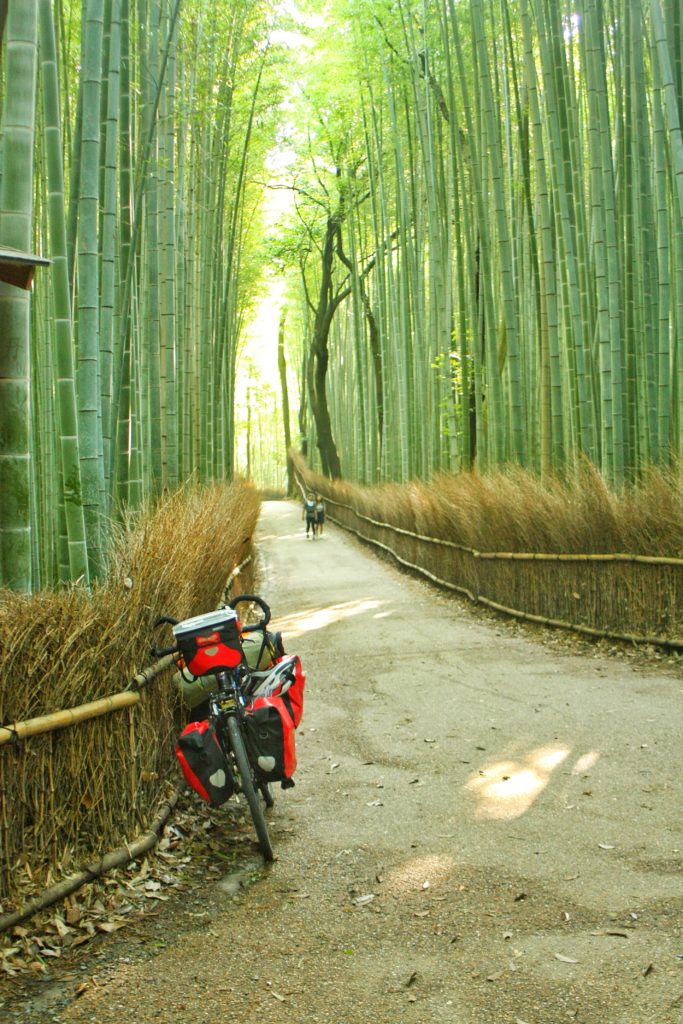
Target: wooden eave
point(18, 268)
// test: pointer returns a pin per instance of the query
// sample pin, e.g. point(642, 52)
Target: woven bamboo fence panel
point(627, 597)
point(70, 794)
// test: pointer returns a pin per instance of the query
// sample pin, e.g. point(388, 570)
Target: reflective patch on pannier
point(203, 762)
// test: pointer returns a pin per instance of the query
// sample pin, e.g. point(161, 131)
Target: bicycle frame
point(228, 700)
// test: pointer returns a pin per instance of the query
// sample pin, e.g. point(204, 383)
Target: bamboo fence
point(89, 776)
point(631, 598)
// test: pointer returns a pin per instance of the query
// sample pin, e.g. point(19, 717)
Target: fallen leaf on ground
point(362, 901)
point(108, 926)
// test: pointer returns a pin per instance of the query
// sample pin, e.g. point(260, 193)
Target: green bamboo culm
point(88, 367)
point(65, 390)
point(16, 209)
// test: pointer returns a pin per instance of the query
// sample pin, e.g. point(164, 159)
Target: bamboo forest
point(402, 237)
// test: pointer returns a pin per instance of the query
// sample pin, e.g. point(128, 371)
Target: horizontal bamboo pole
point(233, 576)
point(148, 674)
point(70, 716)
point(83, 712)
point(123, 855)
point(515, 555)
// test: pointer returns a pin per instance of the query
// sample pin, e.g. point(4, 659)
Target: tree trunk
point(282, 370)
point(328, 302)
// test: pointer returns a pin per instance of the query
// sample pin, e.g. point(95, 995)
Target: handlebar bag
point(203, 763)
point(211, 642)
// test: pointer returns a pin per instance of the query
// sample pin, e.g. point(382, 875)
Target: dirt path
point(485, 828)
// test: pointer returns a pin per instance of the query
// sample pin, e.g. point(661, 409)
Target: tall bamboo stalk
point(65, 391)
point(16, 208)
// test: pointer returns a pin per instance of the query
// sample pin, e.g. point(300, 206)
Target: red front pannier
point(273, 717)
point(203, 762)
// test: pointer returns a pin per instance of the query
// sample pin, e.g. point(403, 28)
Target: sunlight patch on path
point(418, 874)
point(507, 789)
point(318, 618)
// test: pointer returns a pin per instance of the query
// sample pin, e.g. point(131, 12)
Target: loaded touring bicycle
point(246, 697)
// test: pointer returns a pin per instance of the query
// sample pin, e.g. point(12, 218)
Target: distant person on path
point(319, 514)
point(309, 515)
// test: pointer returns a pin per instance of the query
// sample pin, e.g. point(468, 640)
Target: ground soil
point(485, 829)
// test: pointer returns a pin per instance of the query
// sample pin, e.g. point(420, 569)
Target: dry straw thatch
point(72, 794)
point(541, 550)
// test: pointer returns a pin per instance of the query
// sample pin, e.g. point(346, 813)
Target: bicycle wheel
point(267, 793)
point(248, 786)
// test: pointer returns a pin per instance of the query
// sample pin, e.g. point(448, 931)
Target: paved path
point(485, 828)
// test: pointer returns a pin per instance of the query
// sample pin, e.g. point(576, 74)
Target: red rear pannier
point(272, 719)
point(203, 762)
point(293, 694)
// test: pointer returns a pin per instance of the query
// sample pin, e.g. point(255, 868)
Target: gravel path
point(485, 828)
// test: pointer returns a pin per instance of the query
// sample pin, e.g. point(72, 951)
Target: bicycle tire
point(267, 793)
point(248, 787)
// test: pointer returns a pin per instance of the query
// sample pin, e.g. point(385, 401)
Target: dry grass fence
point(572, 554)
point(71, 793)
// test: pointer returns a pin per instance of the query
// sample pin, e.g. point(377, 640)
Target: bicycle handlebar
point(161, 652)
point(252, 599)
